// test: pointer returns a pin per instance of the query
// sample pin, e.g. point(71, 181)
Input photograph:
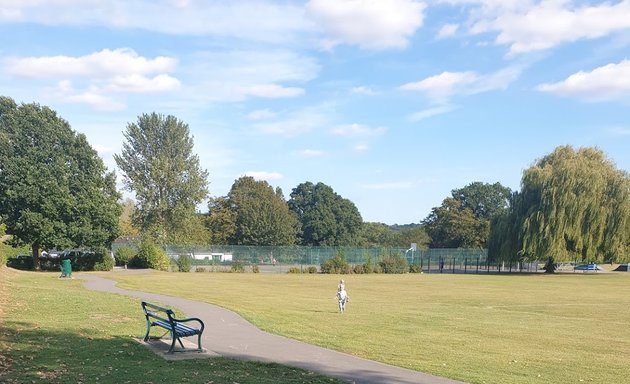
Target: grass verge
point(565, 328)
point(55, 331)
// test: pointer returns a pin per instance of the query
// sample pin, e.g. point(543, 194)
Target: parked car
point(587, 267)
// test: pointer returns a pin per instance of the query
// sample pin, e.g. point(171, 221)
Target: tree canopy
point(325, 217)
point(463, 219)
point(55, 191)
point(573, 205)
point(252, 214)
point(159, 166)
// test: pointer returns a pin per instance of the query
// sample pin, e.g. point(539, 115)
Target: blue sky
point(393, 103)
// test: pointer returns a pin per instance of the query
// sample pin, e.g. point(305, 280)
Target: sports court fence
point(282, 258)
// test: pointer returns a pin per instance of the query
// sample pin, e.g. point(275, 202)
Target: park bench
point(158, 316)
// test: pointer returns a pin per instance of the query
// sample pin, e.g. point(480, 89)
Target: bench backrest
point(158, 312)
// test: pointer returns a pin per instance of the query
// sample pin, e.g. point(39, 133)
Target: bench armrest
point(191, 319)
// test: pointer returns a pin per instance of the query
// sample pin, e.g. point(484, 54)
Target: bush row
point(388, 264)
point(99, 260)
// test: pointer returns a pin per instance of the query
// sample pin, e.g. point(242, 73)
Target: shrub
point(359, 269)
point(106, 263)
point(312, 269)
point(123, 255)
point(24, 262)
point(415, 268)
point(255, 269)
point(184, 263)
point(294, 270)
point(337, 264)
point(152, 256)
point(238, 267)
point(394, 264)
point(201, 269)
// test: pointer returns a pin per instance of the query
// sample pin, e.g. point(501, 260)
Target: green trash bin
point(66, 268)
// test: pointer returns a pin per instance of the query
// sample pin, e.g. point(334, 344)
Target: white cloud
point(297, 122)
point(361, 147)
point(274, 22)
point(447, 30)
point(357, 130)
point(141, 84)
point(261, 114)
point(369, 24)
point(103, 149)
point(95, 100)
point(619, 131)
point(363, 90)
point(272, 91)
point(263, 175)
point(311, 153)
point(99, 74)
point(528, 26)
point(104, 64)
point(430, 112)
point(236, 75)
point(608, 82)
point(443, 86)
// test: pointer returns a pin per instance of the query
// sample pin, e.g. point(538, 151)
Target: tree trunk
point(35, 250)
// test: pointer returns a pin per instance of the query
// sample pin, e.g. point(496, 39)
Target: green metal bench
point(158, 316)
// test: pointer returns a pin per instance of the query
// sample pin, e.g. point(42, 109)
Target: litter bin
point(66, 268)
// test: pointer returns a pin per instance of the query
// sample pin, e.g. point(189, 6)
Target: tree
point(127, 228)
point(221, 221)
point(55, 192)
point(379, 235)
point(573, 205)
point(159, 166)
point(453, 226)
point(464, 219)
point(326, 218)
point(415, 234)
point(483, 199)
point(261, 215)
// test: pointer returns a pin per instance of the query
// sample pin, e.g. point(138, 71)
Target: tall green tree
point(260, 213)
point(159, 166)
point(379, 235)
point(483, 199)
point(463, 220)
point(325, 217)
point(221, 221)
point(55, 191)
point(573, 205)
point(453, 226)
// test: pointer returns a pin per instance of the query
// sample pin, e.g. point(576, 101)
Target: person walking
point(342, 296)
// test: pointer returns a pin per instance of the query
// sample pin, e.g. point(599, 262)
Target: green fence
point(296, 255)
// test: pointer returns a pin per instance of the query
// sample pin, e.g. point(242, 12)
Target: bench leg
point(146, 336)
point(172, 348)
point(199, 343)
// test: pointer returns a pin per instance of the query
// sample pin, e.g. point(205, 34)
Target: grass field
point(55, 331)
point(564, 328)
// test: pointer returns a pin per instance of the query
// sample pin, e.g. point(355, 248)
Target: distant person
point(342, 296)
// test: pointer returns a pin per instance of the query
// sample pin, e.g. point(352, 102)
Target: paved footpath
point(227, 334)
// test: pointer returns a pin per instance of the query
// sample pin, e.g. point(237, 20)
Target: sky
point(392, 103)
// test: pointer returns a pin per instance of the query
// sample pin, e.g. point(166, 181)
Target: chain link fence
point(282, 258)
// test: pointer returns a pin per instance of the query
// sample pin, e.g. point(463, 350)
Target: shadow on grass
point(33, 355)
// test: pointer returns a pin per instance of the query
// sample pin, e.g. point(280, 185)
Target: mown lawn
point(565, 328)
point(55, 331)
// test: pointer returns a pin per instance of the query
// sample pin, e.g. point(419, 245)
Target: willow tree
point(159, 166)
point(574, 205)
